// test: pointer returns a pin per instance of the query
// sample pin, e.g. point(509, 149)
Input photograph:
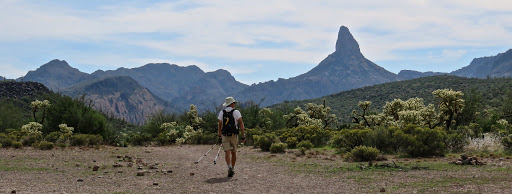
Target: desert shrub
point(30, 139)
point(291, 142)
point(0, 145)
point(61, 145)
point(458, 138)
point(140, 139)
point(278, 148)
point(363, 153)
point(44, 145)
point(208, 138)
point(347, 139)
point(53, 136)
point(382, 139)
point(265, 141)
point(250, 133)
point(421, 141)
point(85, 139)
point(95, 139)
point(305, 144)
point(507, 142)
point(315, 134)
point(6, 139)
point(16, 144)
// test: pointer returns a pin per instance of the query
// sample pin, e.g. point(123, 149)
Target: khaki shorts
point(230, 142)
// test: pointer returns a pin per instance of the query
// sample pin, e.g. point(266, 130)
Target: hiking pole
point(207, 152)
point(218, 153)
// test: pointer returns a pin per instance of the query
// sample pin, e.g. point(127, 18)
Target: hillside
point(493, 66)
point(56, 75)
point(121, 97)
point(343, 103)
point(346, 68)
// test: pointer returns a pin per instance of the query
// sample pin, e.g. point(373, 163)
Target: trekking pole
point(218, 153)
point(206, 153)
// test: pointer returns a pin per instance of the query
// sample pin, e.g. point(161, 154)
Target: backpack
point(228, 123)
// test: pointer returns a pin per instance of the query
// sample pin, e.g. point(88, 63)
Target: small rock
point(80, 180)
point(192, 174)
point(120, 171)
point(130, 164)
point(94, 161)
point(119, 156)
point(473, 162)
point(382, 189)
point(95, 168)
point(13, 191)
point(148, 151)
point(155, 183)
point(141, 173)
point(153, 167)
point(77, 165)
point(458, 162)
point(100, 176)
point(139, 168)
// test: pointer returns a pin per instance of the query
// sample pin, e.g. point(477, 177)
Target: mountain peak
point(56, 63)
point(346, 44)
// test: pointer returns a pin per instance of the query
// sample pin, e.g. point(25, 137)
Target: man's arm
point(242, 128)
point(220, 129)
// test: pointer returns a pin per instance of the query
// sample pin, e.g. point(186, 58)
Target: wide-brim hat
point(229, 100)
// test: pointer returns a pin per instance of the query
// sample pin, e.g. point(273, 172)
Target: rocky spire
point(346, 44)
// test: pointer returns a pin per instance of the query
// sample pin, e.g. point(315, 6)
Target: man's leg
point(228, 157)
point(233, 158)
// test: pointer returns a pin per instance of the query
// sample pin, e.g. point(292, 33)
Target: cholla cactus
point(168, 126)
point(194, 118)
point(265, 114)
point(32, 127)
point(36, 105)
point(65, 130)
point(450, 103)
point(189, 135)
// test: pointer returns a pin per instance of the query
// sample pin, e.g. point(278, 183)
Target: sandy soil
point(71, 171)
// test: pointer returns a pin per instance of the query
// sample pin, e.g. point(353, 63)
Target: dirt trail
point(70, 171)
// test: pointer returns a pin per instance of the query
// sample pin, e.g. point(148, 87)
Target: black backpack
point(228, 123)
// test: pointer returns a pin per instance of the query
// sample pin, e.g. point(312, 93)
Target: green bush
point(44, 145)
point(85, 139)
point(30, 139)
point(305, 144)
point(0, 145)
point(278, 148)
point(457, 139)
point(265, 141)
point(249, 135)
point(291, 142)
point(349, 138)
point(382, 139)
point(16, 144)
point(53, 136)
point(6, 140)
point(507, 142)
point(421, 141)
point(363, 153)
point(140, 139)
point(315, 134)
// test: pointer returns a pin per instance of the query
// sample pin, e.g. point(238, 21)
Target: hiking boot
point(231, 172)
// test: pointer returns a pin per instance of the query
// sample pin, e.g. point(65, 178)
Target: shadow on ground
point(219, 180)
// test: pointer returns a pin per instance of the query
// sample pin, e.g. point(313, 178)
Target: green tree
point(11, 117)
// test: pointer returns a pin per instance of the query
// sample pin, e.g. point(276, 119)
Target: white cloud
point(210, 29)
point(12, 71)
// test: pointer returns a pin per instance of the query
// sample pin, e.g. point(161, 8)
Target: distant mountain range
point(175, 87)
point(120, 96)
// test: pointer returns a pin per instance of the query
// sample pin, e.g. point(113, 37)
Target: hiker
point(230, 120)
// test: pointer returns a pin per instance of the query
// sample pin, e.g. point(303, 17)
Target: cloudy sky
point(256, 41)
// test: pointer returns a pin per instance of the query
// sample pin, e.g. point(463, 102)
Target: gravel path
point(71, 171)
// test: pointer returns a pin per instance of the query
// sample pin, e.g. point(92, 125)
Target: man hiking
point(230, 120)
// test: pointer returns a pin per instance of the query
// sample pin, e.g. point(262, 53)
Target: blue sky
point(256, 41)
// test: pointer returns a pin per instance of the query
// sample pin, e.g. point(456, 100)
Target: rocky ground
point(172, 170)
